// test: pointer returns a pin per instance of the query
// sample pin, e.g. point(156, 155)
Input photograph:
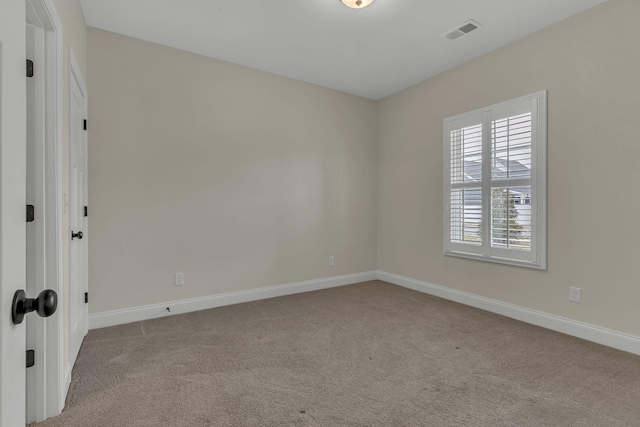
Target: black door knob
point(45, 305)
point(78, 235)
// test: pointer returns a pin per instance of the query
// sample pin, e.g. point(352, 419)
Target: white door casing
point(78, 319)
point(12, 209)
point(36, 262)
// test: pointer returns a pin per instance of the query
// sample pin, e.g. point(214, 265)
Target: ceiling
point(372, 52)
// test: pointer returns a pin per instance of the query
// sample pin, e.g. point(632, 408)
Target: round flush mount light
point(357, 4)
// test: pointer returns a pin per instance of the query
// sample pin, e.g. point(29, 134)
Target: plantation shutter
point(465, 190)
point(495, 182)
point(511, 170)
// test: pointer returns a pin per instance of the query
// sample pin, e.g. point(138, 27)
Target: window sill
point(507, 261)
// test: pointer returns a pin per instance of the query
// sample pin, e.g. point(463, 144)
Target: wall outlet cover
point(575, 294)
point(178, 279)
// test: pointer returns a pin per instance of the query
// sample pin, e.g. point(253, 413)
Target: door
point(12, 209)
point(78, 322)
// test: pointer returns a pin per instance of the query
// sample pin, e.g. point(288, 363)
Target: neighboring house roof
point(473, 169)
point(473, 172)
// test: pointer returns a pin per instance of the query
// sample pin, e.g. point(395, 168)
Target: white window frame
point(537, 257)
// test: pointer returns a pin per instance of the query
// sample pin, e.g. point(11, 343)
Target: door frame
point(74, 73)
point(13, 139)
point(52, 382)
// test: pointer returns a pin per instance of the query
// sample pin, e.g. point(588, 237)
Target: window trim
point(538, 254)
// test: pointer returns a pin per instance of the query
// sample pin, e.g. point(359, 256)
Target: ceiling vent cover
point(463, 29)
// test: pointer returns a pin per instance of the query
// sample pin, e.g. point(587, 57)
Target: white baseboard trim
point(119, 317)
point(607, 337)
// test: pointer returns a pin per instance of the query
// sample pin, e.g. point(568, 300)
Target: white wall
point(238, 178)
point(590, 66)
point(242, 179)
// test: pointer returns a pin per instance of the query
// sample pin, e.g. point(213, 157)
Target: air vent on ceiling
point(463, 29)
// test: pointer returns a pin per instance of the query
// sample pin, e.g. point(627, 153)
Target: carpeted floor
point(371, 354)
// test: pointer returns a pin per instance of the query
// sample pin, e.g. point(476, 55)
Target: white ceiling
point(372, 52)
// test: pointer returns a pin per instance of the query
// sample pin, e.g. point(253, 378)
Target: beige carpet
point(371, 354)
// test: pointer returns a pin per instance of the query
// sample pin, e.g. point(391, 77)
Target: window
point(495, 183)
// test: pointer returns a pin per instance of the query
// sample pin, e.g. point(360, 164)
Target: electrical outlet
point(575, 294)
point(332, 261)
point(178, 279)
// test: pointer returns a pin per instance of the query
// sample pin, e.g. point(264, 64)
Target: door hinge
point(31, 358)
point(85, 124)
point(29, 68)
point(86, 211)
point(86, 297)
point(31, 213)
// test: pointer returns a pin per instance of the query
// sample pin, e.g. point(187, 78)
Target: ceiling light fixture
point(357, 4)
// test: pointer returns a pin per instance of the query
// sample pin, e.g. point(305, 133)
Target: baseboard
point(597, 334)
point(119, 317)
point(607, 337)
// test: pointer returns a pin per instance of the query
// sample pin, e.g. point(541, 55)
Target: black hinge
point(29, 68)
point(31, 358)
point(31, 213)
point(85, 124)
point(86, 211)
point(86, 297)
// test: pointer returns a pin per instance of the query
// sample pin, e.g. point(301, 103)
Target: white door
point(78, 322)
point(12, 209)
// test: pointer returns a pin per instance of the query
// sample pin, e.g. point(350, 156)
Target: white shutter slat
point(511, 217)
point(466, 154)
point(466, 216)
point(511, 147)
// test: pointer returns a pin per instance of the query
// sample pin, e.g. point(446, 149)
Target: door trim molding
point(135, 314)
point(67, 380)
point(12, 204)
